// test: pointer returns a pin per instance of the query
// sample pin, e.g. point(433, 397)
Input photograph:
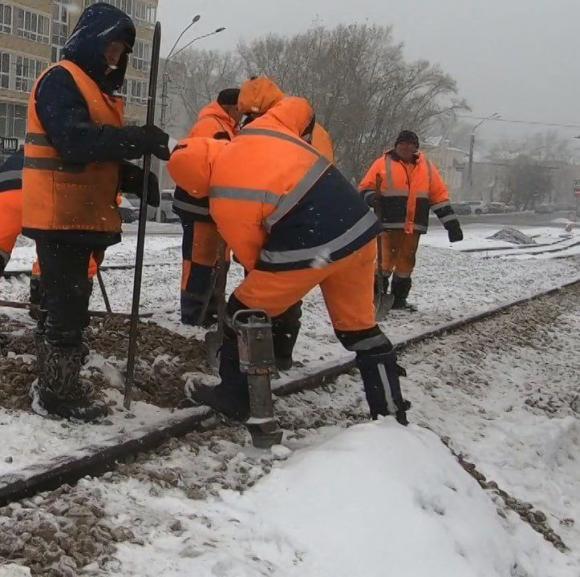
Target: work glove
point(132, 183)
point(148, 140)
point(454, 230)
point(2, 265)
point(156, 142)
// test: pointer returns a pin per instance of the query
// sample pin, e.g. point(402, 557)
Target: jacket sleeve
point(368, 184)
point(206, 127)
point(67, 122)
point(246, 239)
point(439, 197)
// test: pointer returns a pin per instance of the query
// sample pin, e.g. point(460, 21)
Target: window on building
point(12, 120)
point(141, 57)
point(32, 26)
point(27, 71)
point(141, 11)
point(5, 18)
point(138, 93)
point(60, 27)
point(4, 70)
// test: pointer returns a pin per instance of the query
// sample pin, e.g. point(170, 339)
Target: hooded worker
point(294, 222)
point(410, 186)
point(218, 120)
point(259, 94)
point(75, 151)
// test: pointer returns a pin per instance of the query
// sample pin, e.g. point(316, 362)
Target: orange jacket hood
point(258, 95)
point(292, 114)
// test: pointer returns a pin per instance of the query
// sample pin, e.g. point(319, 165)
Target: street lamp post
point(166, 79)
point(493, 116)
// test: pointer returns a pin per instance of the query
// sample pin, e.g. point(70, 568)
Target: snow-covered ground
point(372, 500)
point(448, 285)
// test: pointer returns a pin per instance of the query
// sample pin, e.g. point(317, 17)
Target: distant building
point(32, 35)
point(450, 161)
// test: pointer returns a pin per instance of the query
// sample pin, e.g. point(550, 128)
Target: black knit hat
point(407, 136)
point(229, 97)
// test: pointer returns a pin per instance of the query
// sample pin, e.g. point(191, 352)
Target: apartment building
point(32, 35)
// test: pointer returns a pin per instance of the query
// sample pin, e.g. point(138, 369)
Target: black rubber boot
point(231, 396)
point(381, 378)
point(61, 391)
point(285, 330)
point(401, 287)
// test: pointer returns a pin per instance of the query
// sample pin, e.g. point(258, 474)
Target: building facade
point(32, 35)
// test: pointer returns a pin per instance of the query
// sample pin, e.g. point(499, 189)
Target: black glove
point(156, 142)
point(454, 230)
point(132, 183)
point(147, 140)
point(2, 265)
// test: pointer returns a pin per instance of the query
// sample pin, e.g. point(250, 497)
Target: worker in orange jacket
point(294, 222)
point(76, 152)
point(218, 120)
point(257, 96)
point(410, 186)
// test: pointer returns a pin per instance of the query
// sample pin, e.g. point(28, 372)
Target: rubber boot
point(381, 379)
point(231, 396)
point(401, 287)
point(285, 330)
point(60, 389)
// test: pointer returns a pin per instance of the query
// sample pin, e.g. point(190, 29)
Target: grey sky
point(515, 57)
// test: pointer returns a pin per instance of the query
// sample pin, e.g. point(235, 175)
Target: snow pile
point(374, 500)
point(513, 236)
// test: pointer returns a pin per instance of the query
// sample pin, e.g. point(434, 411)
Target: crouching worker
point(75, 147)
point(294, 222)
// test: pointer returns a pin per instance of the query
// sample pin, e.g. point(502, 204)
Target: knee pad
point(366, 342)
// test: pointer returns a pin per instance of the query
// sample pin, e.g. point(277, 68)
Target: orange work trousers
point(347, 287)
point(399, 252)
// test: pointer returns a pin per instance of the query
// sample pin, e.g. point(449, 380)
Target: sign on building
point(8, 145)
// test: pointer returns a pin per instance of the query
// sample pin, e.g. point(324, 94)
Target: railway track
point(97, 460)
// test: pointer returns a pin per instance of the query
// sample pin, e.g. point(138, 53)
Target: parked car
point(461, 207)
point(496, 208)
point(166, 207)
point(128, 211)
point(477, 206)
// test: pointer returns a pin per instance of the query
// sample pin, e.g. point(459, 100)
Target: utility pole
point(494, 116)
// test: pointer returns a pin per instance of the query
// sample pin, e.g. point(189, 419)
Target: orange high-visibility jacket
point(10, 205)
point(258, 95)
point(408, 192)
point(278, 203)
point(65, 196)
point(212, 121)
point(191, 163)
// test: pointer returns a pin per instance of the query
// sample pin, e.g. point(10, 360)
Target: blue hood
point(98, 26)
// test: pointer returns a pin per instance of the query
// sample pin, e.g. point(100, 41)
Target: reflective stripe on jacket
point(278, 203)
point(408, 192)
point(63, 196)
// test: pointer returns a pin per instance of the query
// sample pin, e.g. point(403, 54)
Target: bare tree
point(356, 78)
point(207, 73)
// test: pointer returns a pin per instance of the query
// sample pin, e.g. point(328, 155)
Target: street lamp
point(494, 116)
point(165, 84)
